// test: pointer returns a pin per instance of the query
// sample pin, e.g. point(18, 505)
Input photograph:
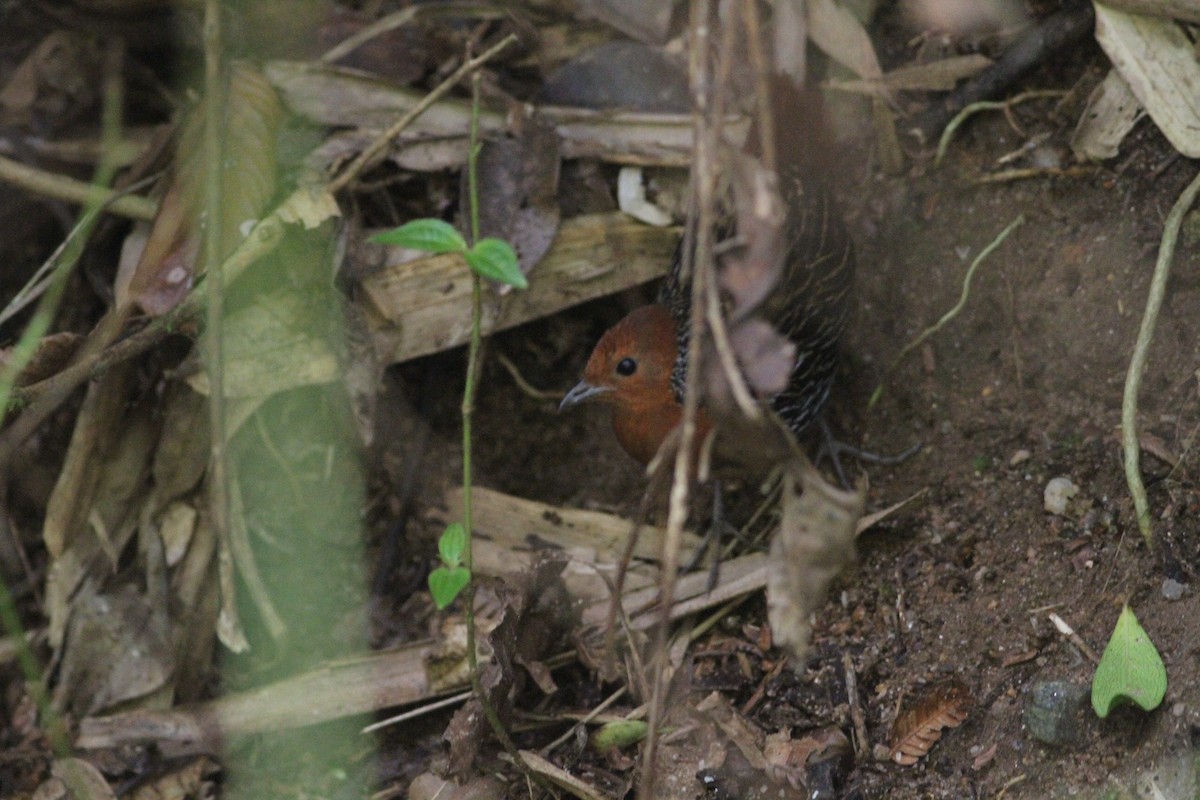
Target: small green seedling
point(1130, 671)
point(448, 580)
point(493, 259)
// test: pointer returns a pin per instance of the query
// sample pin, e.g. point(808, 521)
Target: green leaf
point(496, 260)
point(1130, 671)
point(445, 584)
point(430, 235)
point(452, 544)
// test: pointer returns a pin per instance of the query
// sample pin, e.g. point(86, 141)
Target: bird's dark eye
point(626, 367)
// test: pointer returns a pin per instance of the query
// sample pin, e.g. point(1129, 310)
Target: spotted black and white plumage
point(810, 304)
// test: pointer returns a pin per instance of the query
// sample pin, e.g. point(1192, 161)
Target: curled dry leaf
point(75, 777)
point(919, 726)
point(815, 541)
point(162, 276)
point(194, 777)
point(54, 83)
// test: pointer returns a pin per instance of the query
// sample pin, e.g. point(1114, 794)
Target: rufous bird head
point(630, 370)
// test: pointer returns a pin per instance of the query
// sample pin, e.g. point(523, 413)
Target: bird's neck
point(642, 427)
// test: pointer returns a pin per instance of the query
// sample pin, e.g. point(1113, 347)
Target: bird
point(638, 367)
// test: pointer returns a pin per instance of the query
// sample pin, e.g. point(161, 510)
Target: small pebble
point(1173, 589)
point(1057, 712)
point(1058, 494)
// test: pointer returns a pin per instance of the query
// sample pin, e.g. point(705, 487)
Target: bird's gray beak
point(581, 392)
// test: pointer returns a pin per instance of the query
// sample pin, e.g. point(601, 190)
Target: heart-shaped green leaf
point(430, 235)
point(445, 584)
point(495, 259)
point(1130, 671)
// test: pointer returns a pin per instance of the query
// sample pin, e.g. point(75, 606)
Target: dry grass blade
point(919, 726)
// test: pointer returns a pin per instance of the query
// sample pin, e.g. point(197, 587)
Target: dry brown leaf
point(814, 542)
point(648, 22)
point(54, 84)
point(99, 499)
point(118, 648)
point(164, 273)
point(182, 452)
point(936, 76)
point(786, 757)
point(517, 189)
point(919, 726)
point(837, 32)
point(533, 617)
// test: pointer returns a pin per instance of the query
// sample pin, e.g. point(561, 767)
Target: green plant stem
point(1141, 350)
point(468, 413)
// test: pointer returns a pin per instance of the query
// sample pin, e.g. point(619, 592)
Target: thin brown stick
point(712, 311)
point(762, 92)
point(371, 155)
point(862, 742)
point(101, 361)
point(701, 21)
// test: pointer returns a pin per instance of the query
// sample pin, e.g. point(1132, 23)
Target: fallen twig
point(375, 150)
point(953, 312)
